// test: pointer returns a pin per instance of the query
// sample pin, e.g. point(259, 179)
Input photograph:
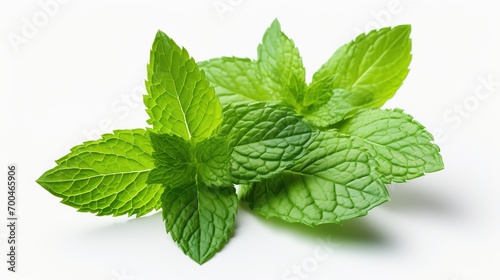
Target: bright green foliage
point(362, 74)
point(180, 99)
point(172, 155)
point(200, 218)
point(304, 153)
point(277, 74)
point(199, 203)
point(107, 176)
point(267, 139)
point(387, 146)
point(332, 183)
point(178, 162)
point(342, 104)
point(401, 146)
point(197, 165)
point(281, 66)
point(369, 69)
point(214, 161)
point(241, 75)
point(375, 64)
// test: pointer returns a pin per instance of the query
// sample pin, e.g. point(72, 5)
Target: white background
point(81, 73)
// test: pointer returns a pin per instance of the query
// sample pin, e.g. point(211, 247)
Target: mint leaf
point(255, 141)
point(180, 100)
point(401, 146)
point(188, 161)
point(200, 218)
point(214, 161)
point(266, 139)
point(342, 104)
point(374, 64)
point(172, 159)
point(192, 162)
point(278, 74)
point(281, 65)
point(360, 75)
point(107, 176)
point(318, 93)
point(232, 74)
point(334, 182)
point(178, 162)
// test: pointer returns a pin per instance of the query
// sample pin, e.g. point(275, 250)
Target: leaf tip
point(404, 27)
point(160, 34)
point(276, 23)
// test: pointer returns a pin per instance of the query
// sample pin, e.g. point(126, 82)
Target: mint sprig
point(107, 176)
point(309, 153)
point(360, 75)
point(400, 145)
point(343, 101)
point(335, 181)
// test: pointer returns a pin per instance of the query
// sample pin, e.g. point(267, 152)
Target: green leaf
point(342, 104)
point(266, 139)
point(334, 182)
point(180, 100)
point(256, 141)
point(214, 161)
point(401, 146)
point(199, 218)
point(178, 162)
point(281, 65)
point(362, 74)
point(173, 164)
point(318, 93)
point(107, 176)
point(232, 74)
point(278, 74)
point(375, 64)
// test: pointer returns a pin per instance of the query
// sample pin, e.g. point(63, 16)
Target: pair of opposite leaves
point(313, 154)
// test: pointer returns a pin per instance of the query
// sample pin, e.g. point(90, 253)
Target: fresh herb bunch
point(310, 153)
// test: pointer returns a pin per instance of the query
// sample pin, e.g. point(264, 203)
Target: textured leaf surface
point(281, 65)
point(266, 139)
point(318, 93)
point(232, 74)
point(172, 157)
point(214, 161)
point(332, 183)
point(180, 100)
point(375, 64)
point(107, 176)
point(342, 104)
point(178, 162)
point(278, 73)
point(401, 146)
point(360, 75)
point(199, 218)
